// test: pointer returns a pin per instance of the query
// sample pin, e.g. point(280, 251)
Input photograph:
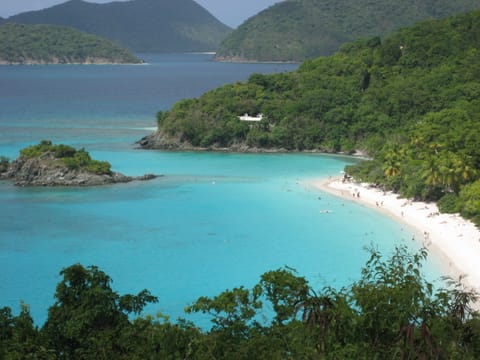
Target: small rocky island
point(47, 164)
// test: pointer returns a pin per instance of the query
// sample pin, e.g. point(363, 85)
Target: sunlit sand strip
point(456, 239)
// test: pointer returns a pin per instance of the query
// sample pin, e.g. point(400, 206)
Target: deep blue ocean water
point(215, 221)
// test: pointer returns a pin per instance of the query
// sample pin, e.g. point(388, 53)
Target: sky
point(230, 12)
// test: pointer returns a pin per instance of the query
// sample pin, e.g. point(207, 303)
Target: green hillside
point(49, 44)
point(412, 101)
point(139, 25)
point(295, 30)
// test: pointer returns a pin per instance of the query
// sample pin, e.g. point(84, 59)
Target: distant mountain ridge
point(296, 30)
point(53, 44)
point(139, 25)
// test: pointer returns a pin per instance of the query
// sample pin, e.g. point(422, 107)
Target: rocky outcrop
point(48, 171)
point(159, 141)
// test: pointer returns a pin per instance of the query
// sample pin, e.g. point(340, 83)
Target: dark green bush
point(4, 164)
point(449, 204)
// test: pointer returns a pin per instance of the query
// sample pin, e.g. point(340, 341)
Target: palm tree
point(455, 170)
point(393, 162)
point(431, 171)
point(318, 312)
point(465, 169)
point(435, 147)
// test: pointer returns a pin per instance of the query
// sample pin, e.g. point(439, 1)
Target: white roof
point(247, 117)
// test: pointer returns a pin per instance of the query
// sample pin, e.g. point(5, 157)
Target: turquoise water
point(214, 221)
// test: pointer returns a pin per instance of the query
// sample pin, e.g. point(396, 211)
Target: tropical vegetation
point(296, 30)
point(69, 156)
point(138, 25)
point(390, 312)
point(4, 164)
point(410, 101)
point(48, 44)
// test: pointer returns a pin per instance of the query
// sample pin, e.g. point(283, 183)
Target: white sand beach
point(455, 239)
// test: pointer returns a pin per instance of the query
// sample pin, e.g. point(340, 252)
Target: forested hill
point(50, 44)
point(411, 100)
point(295, 30)
point(139, 25)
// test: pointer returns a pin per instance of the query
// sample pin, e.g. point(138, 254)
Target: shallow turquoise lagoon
point(214, 221)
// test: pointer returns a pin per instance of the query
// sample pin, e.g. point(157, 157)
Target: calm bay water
point(215, 220)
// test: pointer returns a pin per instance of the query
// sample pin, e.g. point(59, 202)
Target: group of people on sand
point(346, 178)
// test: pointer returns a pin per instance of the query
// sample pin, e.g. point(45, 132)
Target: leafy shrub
point(72, 158)
point(63, 151)
point(449, 204)
point(82, 160)
point(4, 163)
point(37, 150)
point(470, 202)
point(99, 167)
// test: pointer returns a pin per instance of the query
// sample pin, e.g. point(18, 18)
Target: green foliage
point(469, 200)
point(140, 25)
point(449, 204)
point(284, 290)
point(54, 44)
point(82, 160)
point(4, 164)
point(88, 317)
point(232, 308)
point(369, 94)
point(394, 287)
point(304, 29)
point(37, 150)
point(72, 158)
point(19, 338)
point(410, 100)
point(391, 311)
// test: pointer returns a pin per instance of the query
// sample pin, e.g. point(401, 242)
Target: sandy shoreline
point(454, 238)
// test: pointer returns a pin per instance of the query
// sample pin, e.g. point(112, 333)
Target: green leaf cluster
point(411, 101)
point(72, 158)
point(296, 30)
point(4, 164)
point(54, 44)
point(391, 312)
